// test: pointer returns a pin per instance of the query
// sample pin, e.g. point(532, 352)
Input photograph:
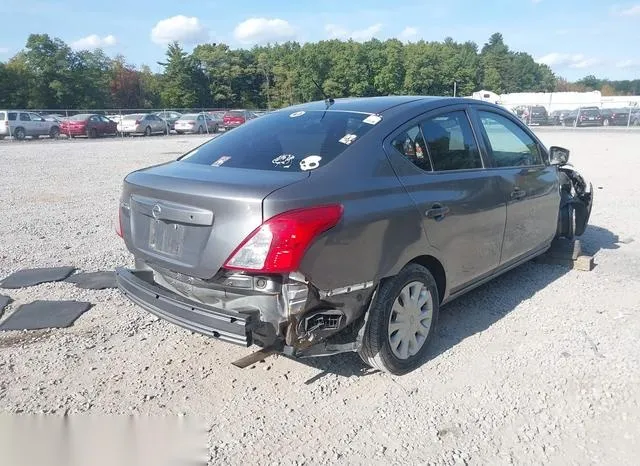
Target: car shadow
point(477, 310)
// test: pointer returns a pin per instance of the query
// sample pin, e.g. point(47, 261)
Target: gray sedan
point(345, 225)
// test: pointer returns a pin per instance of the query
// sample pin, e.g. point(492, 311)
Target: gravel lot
point(539, 366)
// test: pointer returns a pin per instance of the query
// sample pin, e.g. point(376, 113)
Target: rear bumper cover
point(229, 326)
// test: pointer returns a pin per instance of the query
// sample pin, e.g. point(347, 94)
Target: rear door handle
point(518, 193)
point(437, 212)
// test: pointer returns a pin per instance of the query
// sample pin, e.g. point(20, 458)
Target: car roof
point(376, 104)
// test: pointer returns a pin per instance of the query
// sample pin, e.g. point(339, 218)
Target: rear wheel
point(54, 132)
point(92, 133)
point(19, 134)
point(606, 122)
point(402, 321)
point(200, 130)
point(147, 131)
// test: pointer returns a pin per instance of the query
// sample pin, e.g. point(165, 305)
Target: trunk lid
point(189, 218)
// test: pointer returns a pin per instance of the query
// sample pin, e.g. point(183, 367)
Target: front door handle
point(518, 194)
point(437, 212)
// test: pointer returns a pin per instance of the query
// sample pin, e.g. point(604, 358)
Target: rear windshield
point(285, 141)
point(12, 116)
point(235, 114)
point(132, 117)
point(1, 116)
point(188, 116)
point(589, 112)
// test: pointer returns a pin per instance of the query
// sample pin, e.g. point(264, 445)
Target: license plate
point(592, 118)
point(167, 238)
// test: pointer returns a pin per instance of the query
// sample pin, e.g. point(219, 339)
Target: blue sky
point(575, 37)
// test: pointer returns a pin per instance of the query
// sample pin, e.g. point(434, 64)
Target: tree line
point(48, 74)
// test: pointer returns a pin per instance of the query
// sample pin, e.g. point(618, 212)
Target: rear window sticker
point(373, 119)
point(284, 160)
point(311, 162)
point(296, 114)
point(220, 161)
point(348, 139)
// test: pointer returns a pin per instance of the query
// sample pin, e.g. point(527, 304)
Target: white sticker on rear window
point(348, 139)
point(372, 119)
point(310, 163)
point(284, 160)
point(220, 161)
point(296, 114)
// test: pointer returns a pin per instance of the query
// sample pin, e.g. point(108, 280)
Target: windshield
point(189, 116)
point(79, 117)
point(282, 141)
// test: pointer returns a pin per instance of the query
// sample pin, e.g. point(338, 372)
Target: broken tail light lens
point(279, 244)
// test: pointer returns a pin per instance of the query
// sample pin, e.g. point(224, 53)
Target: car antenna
point(329, 101)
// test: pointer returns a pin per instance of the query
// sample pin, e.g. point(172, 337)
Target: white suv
point(20, 124)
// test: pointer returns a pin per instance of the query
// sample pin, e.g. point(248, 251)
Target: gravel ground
point(541, 365)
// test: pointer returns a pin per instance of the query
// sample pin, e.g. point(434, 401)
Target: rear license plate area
point(166, 237)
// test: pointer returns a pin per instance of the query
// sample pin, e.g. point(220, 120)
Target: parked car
point(556, 117)
point(234, 118)
point(615, 116)
point(20, 124)
point(635, 117)
point(538, 115)
point(91, 125)
point(326, 228)
point(55, 117)
point(196, 123)
point(584, 116)
point(142, 123)
point(170, 118)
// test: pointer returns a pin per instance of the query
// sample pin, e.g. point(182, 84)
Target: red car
point(88, 124)
point(234, 118)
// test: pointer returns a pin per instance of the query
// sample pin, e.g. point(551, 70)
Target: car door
point(528, 184)
point(40, 125)
point(458, 200)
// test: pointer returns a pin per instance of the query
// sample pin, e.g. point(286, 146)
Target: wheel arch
point(437, 270)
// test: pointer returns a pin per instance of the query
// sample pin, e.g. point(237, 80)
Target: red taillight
point(280, 243)
point(137, 122)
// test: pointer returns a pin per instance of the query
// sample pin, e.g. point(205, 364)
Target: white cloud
point(567, 60)
point(627, 64)
point(536, 1)
point(408, 33)
point(263, 30)
point(633, 10)
point(4, 50)
point(94, 41)
point(184, 29)
point(335, 31)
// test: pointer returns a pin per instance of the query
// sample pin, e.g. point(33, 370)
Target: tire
point(54, 132)
point(200, 130)
point(606, 122)
point(215, 128)
point(147, 131)
point(19, 133)
point(92, 133)
point(376, 349)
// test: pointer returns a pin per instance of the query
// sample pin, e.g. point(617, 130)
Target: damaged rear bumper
point(229, 326)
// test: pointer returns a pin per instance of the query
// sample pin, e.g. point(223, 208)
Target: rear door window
point(411, 145)
point(285, 141)
point(510, 145)
point(451, 143)
point(12, 116)
point(25, 117)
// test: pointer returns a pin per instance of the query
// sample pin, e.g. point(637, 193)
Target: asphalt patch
point(45, 314)
point(4, 301)
point(94, 280)
point(31, 277)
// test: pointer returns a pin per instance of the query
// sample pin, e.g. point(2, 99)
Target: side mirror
point(558, 155)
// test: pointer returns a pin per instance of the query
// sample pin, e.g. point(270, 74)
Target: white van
point(21, 123)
